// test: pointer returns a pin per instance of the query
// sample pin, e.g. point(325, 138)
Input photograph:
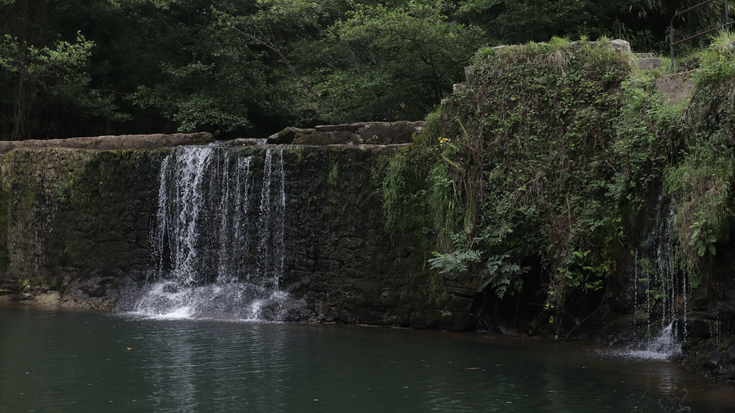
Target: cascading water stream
point(660, 289)
point(217, 243)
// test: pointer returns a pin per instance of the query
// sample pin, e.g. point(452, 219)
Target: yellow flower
point(512, 98)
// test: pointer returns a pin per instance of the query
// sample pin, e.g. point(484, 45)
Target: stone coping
point(361, 133)
point(112, 142)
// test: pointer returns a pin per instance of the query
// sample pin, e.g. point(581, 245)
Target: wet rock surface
point(713, 357)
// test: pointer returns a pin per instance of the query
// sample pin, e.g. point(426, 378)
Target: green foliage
point(702, 241)
point(49, 73)
point(572, 147)
point(442, 198)
point(222, 83)
point(404, 192)
point(702, 179)
point(333, 177)
point(525, 167)
point(644, 23)
point(23, 284)
point(65, 192)
point(578, 273)
point(455, 261)
point(501, 272)
point(362, 60)
point(547, 123)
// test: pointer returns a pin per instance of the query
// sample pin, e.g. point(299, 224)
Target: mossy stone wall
point(339, 256)
point(77, 217)
point(69, 214)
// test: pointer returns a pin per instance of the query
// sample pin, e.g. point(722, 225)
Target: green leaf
point(701, 250)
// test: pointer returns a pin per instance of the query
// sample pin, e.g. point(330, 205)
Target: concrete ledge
point(362, 133)
point(118, 142)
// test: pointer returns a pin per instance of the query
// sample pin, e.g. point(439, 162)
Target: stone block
point(620, 45)
point(649, 63)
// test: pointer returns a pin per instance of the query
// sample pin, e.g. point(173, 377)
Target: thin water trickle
point(636, 271)
point(217, 244)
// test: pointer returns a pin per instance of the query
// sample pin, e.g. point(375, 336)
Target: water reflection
point(86, 362)
point(231, 366)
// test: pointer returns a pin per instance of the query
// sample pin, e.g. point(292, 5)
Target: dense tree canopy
point(644, 23)
point(250, 67)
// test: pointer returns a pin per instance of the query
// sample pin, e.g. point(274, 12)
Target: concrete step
point(649, 63)
point(646, 61)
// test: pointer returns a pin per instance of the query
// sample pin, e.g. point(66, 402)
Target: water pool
point(75, 361)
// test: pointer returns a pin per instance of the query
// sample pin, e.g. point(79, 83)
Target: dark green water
point(69, 361)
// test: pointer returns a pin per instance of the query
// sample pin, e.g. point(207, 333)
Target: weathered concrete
point(371, 133)
point(112, 142)
point(678, 86)
point(70, 215)
point(646, 61)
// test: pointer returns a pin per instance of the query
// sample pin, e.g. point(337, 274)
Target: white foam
point(663, 347)
point(179, 313)
point(232, 301)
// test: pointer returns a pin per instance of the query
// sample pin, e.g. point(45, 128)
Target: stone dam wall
point(75, 230)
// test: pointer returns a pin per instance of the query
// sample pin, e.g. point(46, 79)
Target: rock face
point(620, 45)
point(78, 222)
point(369, 133)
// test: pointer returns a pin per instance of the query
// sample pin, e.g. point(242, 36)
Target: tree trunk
point(20, 108)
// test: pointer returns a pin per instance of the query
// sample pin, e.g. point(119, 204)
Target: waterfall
point(660, 288)
point(661, 347)
point(217, 248)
